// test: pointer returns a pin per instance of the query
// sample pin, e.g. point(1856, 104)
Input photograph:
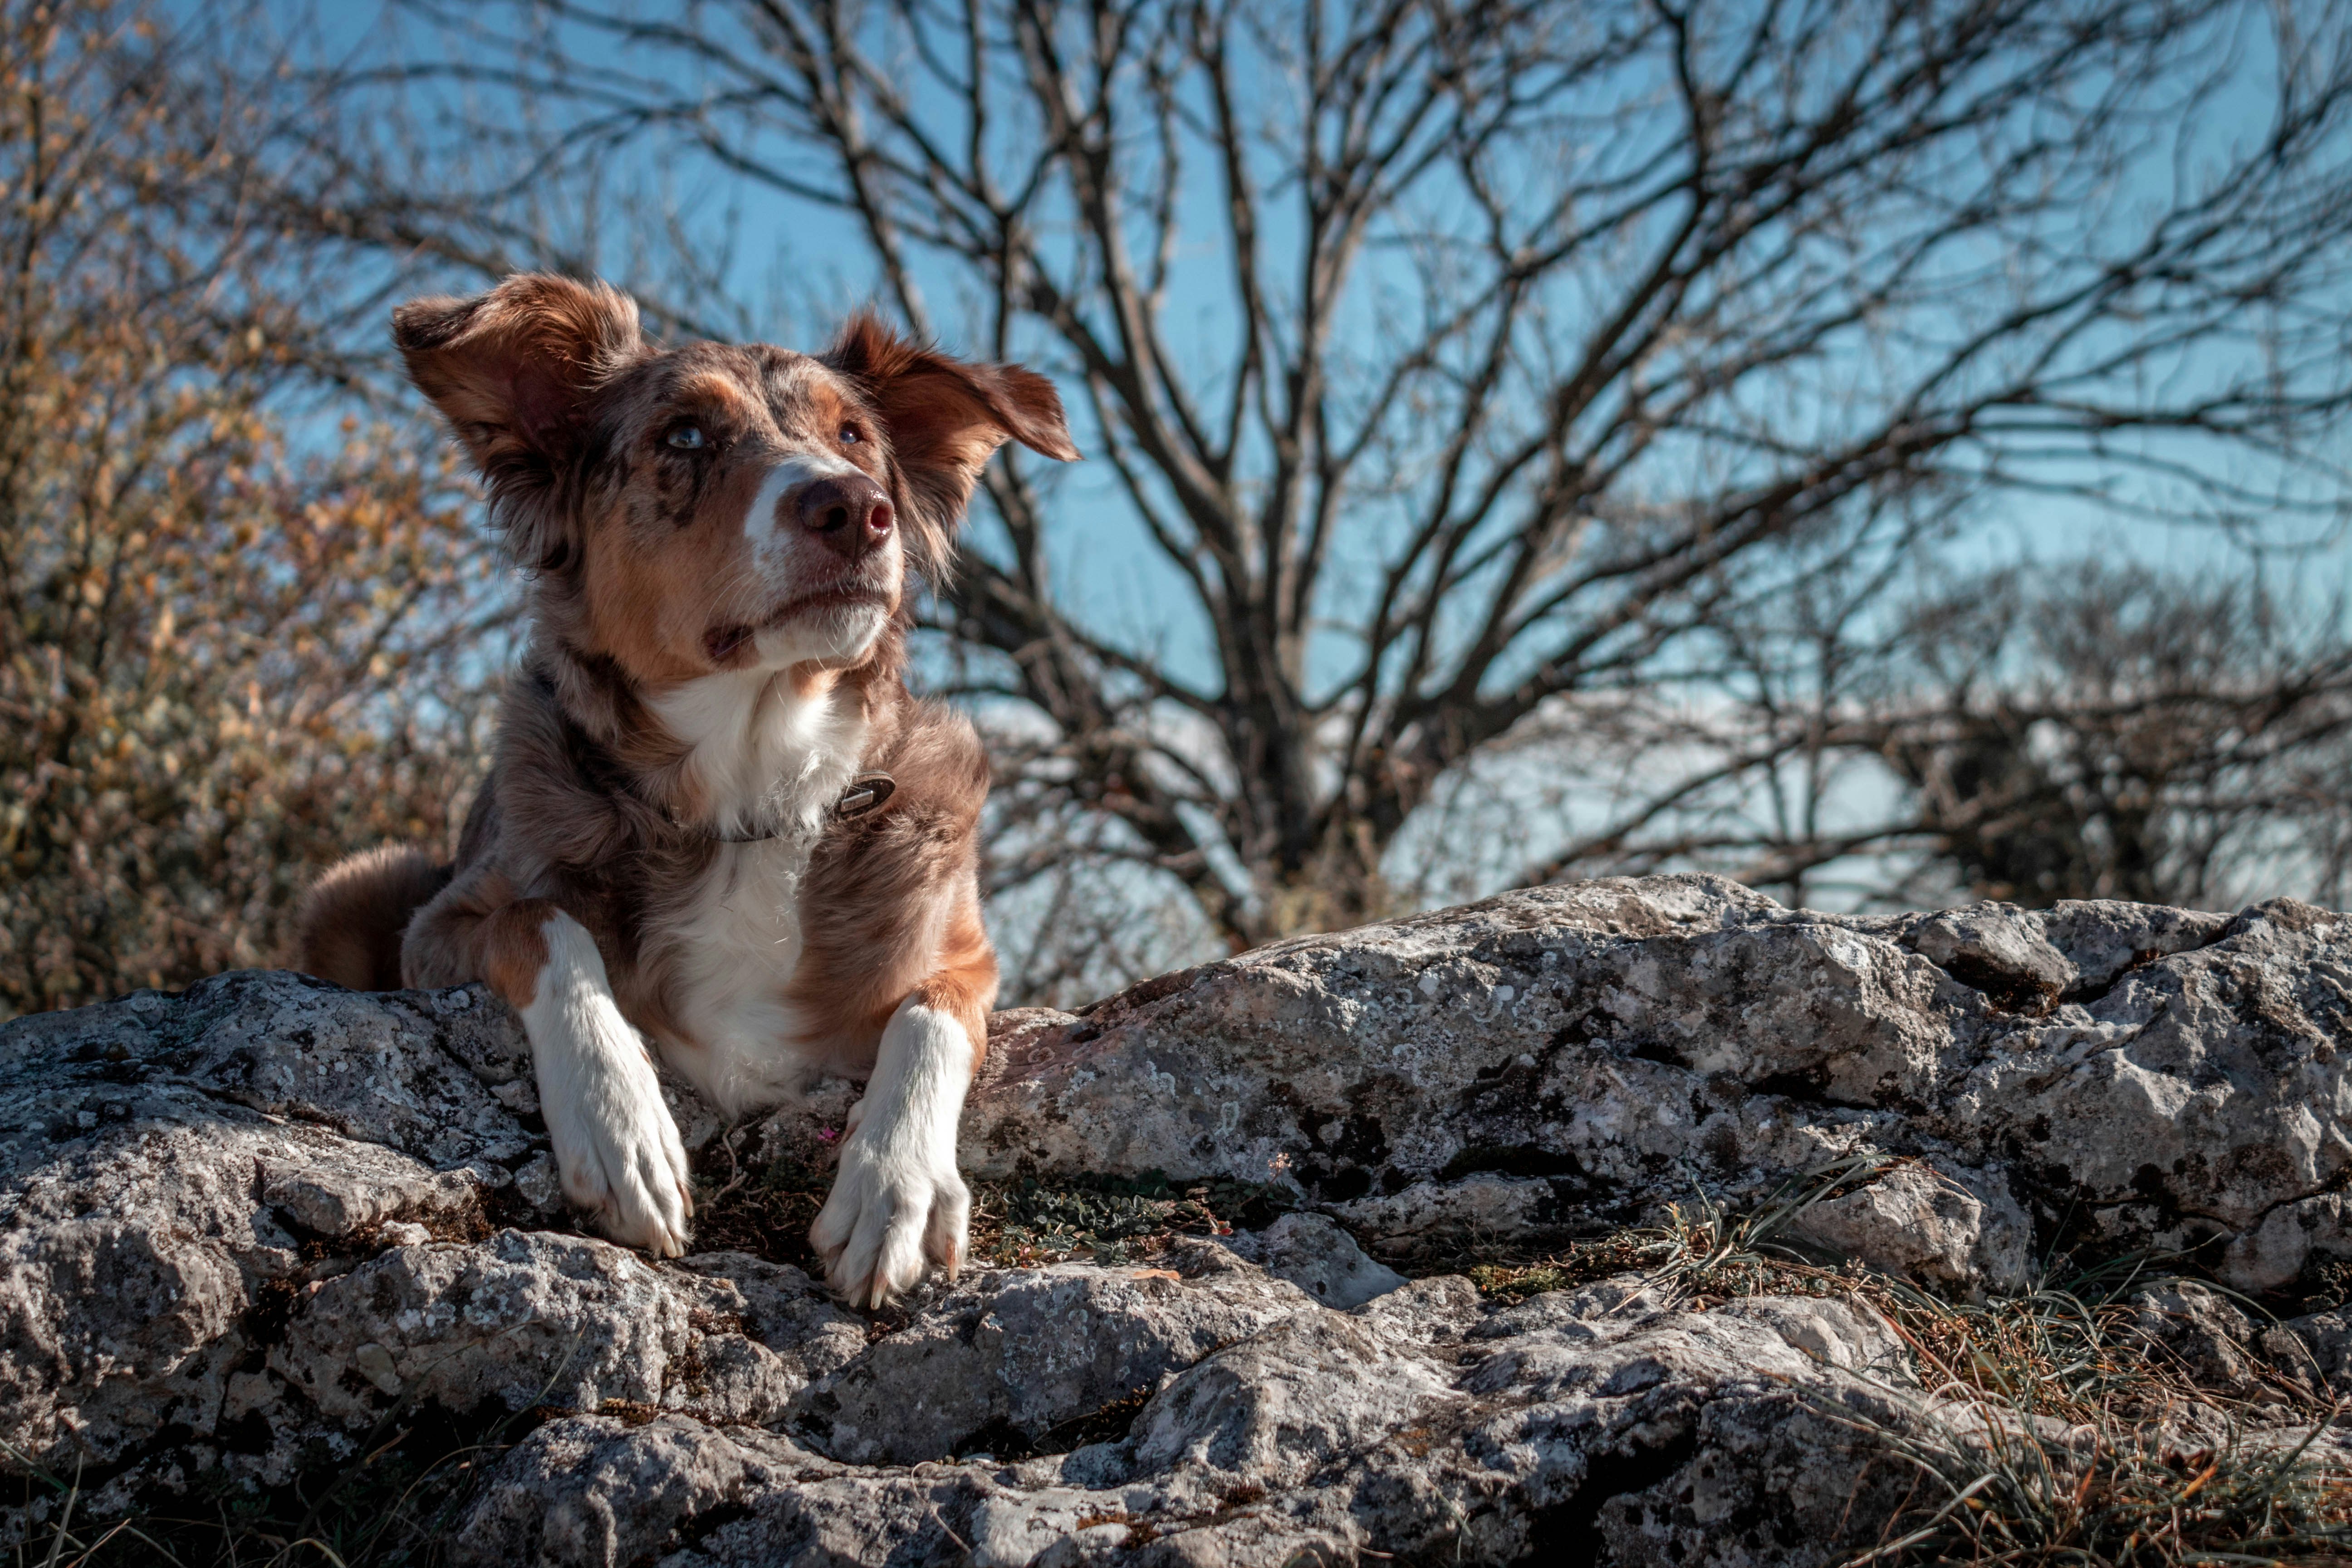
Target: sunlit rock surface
point(242, 1226)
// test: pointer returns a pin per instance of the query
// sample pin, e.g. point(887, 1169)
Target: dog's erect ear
point(512, 371)
point(946, 418)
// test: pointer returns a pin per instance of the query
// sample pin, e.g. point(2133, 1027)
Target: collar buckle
point(866, 792)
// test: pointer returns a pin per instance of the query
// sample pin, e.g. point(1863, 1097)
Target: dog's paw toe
point(631, 1173)
point(885, 1218)
point(648, 1211)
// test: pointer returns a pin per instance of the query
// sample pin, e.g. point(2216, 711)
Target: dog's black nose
point(849, 511)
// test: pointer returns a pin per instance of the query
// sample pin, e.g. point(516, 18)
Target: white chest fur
point(766, 758)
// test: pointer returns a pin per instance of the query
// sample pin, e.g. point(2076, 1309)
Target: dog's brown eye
point(850, 435)
point(689, 438)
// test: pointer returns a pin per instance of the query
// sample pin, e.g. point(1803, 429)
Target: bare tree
point(2162, 740)
point(2090, 731)
point(1454, 360)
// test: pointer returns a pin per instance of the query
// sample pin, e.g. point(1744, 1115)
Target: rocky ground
point(1629, 1222)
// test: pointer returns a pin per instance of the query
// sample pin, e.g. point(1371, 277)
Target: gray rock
point(1835, 1333)
point(370, 1186)
point(780, 1307)
point(529, 1319)
point(539, 1182)
point(1996, 949)
point(2212, 1341)
point(1387, 1429)
point(1778, 1478)
point(2289, 1239)
point(1281, 1406)
point(1627, 1296)
point(254, 1207)
point(2199, 1328)
point(1319, 1258)
point(1917, 1221)
point(2328, 1337)
point(1026, 1351)
point(597, 1490)
point(1564, 1060)
point(162, 1160)
point(1442, 1219)
point(2103, 938)
point(242, 1225)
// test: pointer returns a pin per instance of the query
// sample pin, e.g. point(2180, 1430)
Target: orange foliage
point(236, 640)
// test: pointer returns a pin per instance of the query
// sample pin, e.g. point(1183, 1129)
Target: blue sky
point(793, 266)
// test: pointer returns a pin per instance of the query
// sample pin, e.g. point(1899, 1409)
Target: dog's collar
point(866, 792)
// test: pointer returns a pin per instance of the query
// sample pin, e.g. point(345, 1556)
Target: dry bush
point(231, 627)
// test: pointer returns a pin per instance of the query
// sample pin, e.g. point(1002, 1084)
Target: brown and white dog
point(715, 819)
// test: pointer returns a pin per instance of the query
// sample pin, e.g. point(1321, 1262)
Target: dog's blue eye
point(849, 437)
point(689, 438)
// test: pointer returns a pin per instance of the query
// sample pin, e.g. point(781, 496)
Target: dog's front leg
point(614, 1138)
point(896, 1200)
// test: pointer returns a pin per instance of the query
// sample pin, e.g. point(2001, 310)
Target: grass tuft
point(2044, 1430)
point(2120, 1492)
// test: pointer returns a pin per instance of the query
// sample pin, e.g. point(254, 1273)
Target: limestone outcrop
point(246, 1226)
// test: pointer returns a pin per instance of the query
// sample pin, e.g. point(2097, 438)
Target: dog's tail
point(352, 917)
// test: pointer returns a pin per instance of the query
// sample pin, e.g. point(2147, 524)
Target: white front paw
point(894, 1206)
point(613, 1137)
point(896, 1200)
point(619, 1149)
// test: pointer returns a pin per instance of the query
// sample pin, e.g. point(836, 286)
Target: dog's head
point(715, 507)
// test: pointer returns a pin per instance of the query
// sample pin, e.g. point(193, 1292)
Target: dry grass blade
point(2045, 1429)
point(2137, 1498)
point(2052, 1439)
